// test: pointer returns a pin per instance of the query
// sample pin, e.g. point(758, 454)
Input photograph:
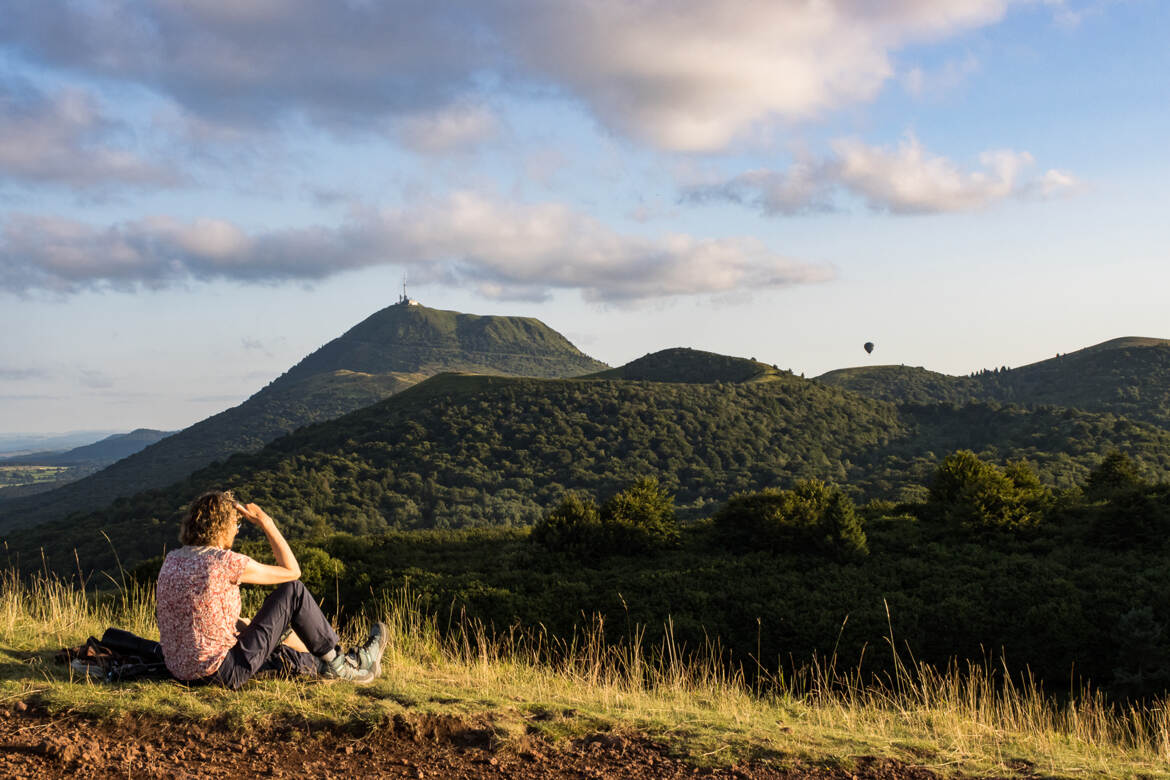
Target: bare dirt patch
point(35, 744)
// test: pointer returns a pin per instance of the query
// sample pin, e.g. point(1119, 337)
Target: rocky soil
point(35, 744)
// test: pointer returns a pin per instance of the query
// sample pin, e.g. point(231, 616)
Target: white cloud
point(950, 75)
point(1054, 183)
point(693, 75)
point(678, 74)
point(649, 211)
point(904, 180)
point(807, 185)
point(1070, 15)
point(505, 250)
point(67, 138)
point(450, 129)
point(544, 166)
point(20, 374)
point(910, 180)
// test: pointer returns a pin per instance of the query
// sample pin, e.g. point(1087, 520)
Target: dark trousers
point(258, 648)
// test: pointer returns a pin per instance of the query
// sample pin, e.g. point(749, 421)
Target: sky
point(195, 194)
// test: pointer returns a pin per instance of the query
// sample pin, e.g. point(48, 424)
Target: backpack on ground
point(116, 657)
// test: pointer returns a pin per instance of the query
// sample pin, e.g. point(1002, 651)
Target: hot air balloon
point(869, 347)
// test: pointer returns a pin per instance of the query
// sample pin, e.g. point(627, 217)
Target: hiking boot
point(369, 653)
point(347, 666)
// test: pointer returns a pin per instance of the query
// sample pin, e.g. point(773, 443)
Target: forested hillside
point(467, 451)
point(905, 384)
point(1126, 376)
point(389, 351)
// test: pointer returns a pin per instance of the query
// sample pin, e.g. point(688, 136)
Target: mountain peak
point(383, 354)
point(901, 383)
point(692, 366)
point(407, 337)
point(1126, 342)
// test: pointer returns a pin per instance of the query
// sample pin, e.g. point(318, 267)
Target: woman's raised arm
point(286, 569)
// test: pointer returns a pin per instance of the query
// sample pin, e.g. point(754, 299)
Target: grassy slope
point(1060, 601)
point(691, 366)
point(417, 339)
point(520, 684)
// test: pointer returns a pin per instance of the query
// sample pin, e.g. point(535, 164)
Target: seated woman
point(203, 638)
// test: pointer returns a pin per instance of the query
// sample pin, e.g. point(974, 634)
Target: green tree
point(573, 526)
point(638, 520)
point(641, 518)
point(812, 517)
point(971, 492)
point(1117, 474)
point(1141, 653)
point(1030, 491)
point(319, 570)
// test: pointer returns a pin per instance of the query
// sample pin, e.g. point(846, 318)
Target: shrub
point(812, 518)
point(971, 492)
point(641, 518)
point(573, 526)
point(1029, 490)
point(1133, 518)
point(319, 570)
point(1140, 642)
point(638, 520)
point(1116, 475)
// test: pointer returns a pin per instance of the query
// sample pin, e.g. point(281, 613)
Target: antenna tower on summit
point(404, 299)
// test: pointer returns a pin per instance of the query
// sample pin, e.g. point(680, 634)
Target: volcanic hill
point(1125, 376)
point(387, 352)
point(692, 366)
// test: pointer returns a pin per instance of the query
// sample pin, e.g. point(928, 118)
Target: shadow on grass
point(20, 665)
point(378, 694)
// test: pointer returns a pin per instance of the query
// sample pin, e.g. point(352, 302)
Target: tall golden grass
point(976, 716)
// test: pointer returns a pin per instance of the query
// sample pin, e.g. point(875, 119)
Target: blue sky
point(194, 194)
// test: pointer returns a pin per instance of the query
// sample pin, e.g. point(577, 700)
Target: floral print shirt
point(198, 597)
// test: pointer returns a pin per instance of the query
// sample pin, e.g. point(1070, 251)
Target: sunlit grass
point(974, 718)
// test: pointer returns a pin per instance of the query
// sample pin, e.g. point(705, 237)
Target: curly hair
point(209, 518)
